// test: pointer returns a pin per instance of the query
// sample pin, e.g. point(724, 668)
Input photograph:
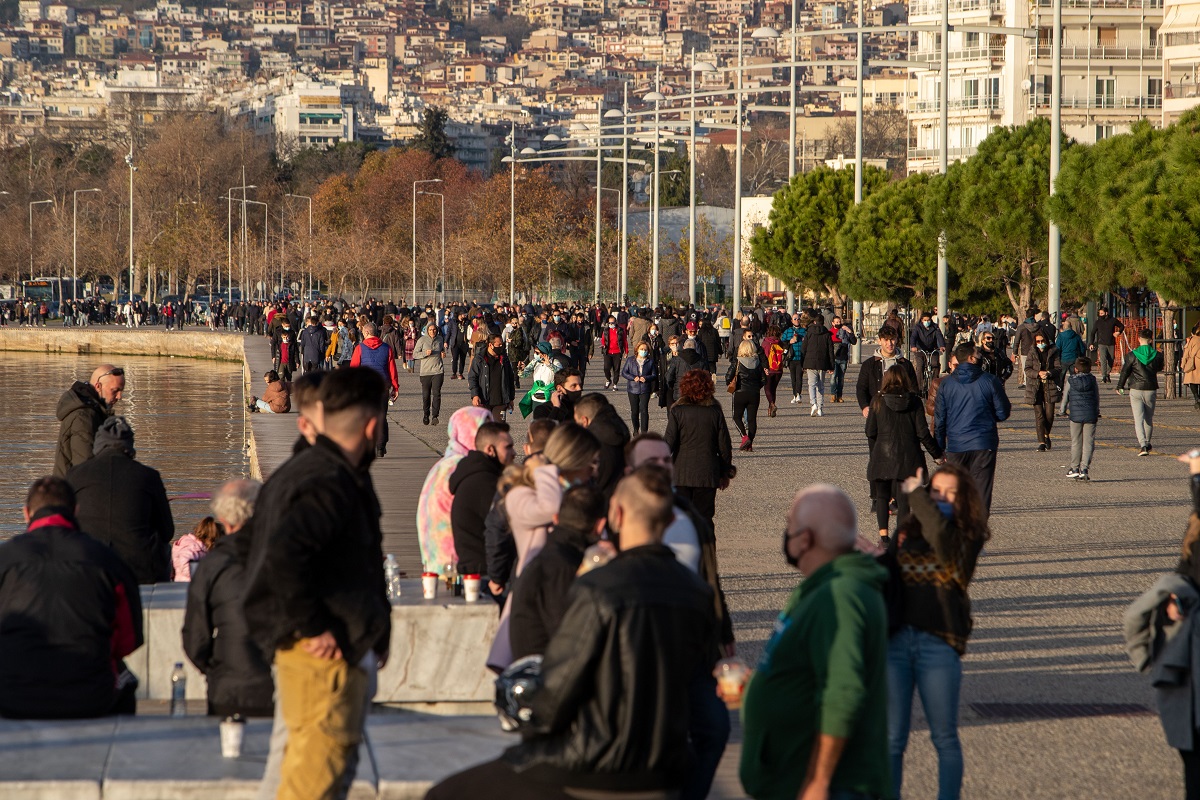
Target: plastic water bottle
point(391, 573)
point(178, 691)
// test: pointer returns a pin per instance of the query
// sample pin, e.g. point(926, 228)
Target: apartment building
point(1112, 72)
point(1180, 38)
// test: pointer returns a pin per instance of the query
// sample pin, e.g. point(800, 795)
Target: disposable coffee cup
point(232, 731)
point(471, 588)
point(429, 584)
point(732, 675)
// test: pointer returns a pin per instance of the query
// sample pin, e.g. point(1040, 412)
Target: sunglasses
point(116, 372)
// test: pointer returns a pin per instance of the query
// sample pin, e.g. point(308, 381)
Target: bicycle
point(930, 370)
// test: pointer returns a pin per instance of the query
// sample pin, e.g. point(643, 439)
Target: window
point(1044, 38)
point(1153, 37)
point(1104, 131)
point(970, 41)
point(1106, 92)
point(1106, 37)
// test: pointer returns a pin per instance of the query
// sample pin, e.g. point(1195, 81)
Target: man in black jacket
point(816, 358)
point(594, 412)
point(123, 503)
point(237, 669)
point(1103, 340)
point(80, 411)
point(315, 591)
point(870, 377)
point(611, 712)
point(490, 379)
point(473, 484)
point(69, 612)
point(1140, 372)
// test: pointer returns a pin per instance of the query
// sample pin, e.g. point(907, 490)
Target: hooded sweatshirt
point(473, 485)
point(434, 529)
point(824, 671)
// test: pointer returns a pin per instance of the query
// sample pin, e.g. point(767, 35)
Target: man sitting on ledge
point(69, 612)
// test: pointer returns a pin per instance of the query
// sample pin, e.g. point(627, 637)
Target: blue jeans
point(920, 660)
point(708, 729)
point(263, 407)
point(839, 375)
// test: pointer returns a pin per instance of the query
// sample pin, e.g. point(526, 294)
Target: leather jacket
point(612, 710)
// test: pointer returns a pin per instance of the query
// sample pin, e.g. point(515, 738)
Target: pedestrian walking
point(428, 351)
point(936, 548)
point(1070, 346)
point(816, 353)
point(640, 375)
point(315, 593)
point(1189, 363)
point(775, 354)
point(1082, 394)
point(793, 337)
point(896, 432)
point(745, 379)
point(376, 355)
point(1043, 372)
point(1103, 341)
point(870, 377)
point(814, 718)
point(491, 380)
point(698, 438)
point(969, 404)
point(1140, 373)
point(843, 339)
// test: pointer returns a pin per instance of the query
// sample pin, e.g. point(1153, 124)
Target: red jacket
point(613, 341)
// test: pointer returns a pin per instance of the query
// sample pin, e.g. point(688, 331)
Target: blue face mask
point(927, 323)
point(947, 508)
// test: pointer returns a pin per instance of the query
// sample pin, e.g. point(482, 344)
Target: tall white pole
point(654, 204)
point(737, 190)
point(625, 195)
point(791, 294)
point(692, 193)
point(129, 161)
point(858, 157)
point(943, 269)
point(512, 215)
point(599, 181)
point(1053, 299)
point(229, 245)
point(442, 204)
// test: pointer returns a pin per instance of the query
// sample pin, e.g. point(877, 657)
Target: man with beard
point(81, 410)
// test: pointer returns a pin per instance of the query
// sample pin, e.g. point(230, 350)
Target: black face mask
point(574, 396)
point(793, 561)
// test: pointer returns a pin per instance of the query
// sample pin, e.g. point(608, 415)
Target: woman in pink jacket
point(192, 547)
point(532, 494)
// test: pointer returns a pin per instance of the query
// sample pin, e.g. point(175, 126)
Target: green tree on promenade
point(992, 208)
point(885, 249)
point(432, 136)
point(799, 243)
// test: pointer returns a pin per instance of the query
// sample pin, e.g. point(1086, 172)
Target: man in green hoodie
point(1140, 371)
point(814, 717)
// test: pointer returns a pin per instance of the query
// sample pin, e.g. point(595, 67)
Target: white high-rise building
point(1180, 35)
point(1111, 71)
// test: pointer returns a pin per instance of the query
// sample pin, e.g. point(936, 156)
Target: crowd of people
point(597, 544)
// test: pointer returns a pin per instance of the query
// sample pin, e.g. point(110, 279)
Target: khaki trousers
point(324, 704)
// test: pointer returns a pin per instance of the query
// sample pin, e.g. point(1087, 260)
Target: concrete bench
point(437, 662)
point(171, 758)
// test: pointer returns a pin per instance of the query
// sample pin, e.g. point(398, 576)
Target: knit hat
point(114, 432)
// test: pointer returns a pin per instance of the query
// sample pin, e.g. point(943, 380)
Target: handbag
point(732, 386)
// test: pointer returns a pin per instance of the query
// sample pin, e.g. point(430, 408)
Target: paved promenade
point(1051, 707)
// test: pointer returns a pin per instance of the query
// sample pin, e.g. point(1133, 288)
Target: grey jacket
point(429, 353)
point(1169, 651)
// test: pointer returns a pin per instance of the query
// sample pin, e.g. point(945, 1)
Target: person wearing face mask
point(491, 379)
point(936, 548)
point(1043, 371)
point(924, 340)
point(640, 374)
point(568, 388)
point(992, 359)
point(691, 330)
point(473, 484)
point(287, 355)
point(658, 348)
point(814, 717)
point(613, 347)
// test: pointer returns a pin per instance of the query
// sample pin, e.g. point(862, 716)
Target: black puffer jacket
point(123, 504)
point(539, 599)
point(896, 431)
point(217, 640)
point(473, 484)
point(677, 367)
point(1141, 373)
point(69, 607)
point(316, 557)
point(80, 412)
point(816, 350)
point(612, 712)
point(699, 440)
point(613, 434)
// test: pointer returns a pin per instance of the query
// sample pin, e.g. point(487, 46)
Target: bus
point(53, 291)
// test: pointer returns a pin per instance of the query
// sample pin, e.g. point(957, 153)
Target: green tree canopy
point(799, 243)
point(432, 136)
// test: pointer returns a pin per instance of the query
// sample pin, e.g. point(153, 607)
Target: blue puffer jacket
point(1070, 346)
point(786, 338)
point(969, 404)
point(1083, 397)
point(631, 371)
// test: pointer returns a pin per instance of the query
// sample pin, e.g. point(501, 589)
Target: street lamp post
point(75, 240)
point(132, 169)
point(308, 294)
point(414, 234)
point(737, 189)
point(656, 97)
point(512, 215)
point(229, 233)
point(266, 256)
point(1053, 299)
point(442, 203)
point(31, 205)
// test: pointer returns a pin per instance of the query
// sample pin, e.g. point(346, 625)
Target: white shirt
point(683, 540)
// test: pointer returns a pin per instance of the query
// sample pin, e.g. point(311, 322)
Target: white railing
point(934, 7)
point(1103, 53)
point(963, 54)
point(977, 103)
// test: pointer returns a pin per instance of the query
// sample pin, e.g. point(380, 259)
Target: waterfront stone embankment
point(106, 341)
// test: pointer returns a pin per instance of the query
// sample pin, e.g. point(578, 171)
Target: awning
point(1181, 19)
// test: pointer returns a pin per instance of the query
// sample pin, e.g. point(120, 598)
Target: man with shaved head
point(80, 411)
point(815, 713)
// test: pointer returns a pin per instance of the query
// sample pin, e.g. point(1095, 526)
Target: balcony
point(1132, 5)
point(1102, 53)
point(927, 8)
point(964, 54)
point(933, 154)
point(1104, 102)
point(984, 104)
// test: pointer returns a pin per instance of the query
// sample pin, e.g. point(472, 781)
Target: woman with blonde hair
point(745, 379)
point(532, 493)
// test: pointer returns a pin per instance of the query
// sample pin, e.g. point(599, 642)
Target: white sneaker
point(1073, 473)
point(820, 411)
point(607, 384)
point(795, 399)
point(813, 411)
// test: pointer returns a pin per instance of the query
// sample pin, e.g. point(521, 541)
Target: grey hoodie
point(431, 364)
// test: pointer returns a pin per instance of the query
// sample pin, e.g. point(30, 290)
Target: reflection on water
point(186, 416)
